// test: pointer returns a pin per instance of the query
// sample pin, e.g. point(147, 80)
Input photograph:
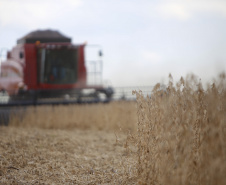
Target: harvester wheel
point(4, 116)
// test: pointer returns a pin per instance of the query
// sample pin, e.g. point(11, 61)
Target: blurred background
point(142, 41)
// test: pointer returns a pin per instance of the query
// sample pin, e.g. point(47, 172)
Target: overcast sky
point(142, 40)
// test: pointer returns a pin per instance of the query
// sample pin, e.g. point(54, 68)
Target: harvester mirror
point(100, 53)
point(21, 55)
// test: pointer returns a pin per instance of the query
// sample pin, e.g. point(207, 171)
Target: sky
point(142, 40)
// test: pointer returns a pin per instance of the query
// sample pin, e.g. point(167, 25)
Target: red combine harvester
point(45, 65)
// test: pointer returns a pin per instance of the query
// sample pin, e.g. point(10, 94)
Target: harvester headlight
point(22, 86)
point(37, 42)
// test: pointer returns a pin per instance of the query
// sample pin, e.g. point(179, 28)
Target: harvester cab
point(45, 64)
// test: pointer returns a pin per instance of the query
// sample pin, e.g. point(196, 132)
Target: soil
point(50, 156)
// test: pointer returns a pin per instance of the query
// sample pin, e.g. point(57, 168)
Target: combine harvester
point(46, 68)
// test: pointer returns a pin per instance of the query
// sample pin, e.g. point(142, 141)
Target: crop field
point(177, 136)
point(77, 144)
